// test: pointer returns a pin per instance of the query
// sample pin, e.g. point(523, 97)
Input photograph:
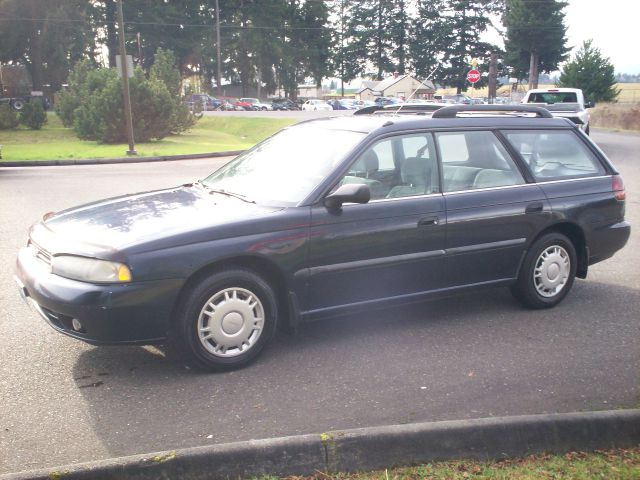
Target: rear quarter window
point(555, 155)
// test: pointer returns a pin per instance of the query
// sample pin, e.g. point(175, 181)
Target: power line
point(164, 24)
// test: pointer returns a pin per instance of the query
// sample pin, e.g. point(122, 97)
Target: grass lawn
point(609, 465)
point(210, 134)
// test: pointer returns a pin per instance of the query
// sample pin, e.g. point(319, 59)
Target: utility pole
point(125, 82)
point(219, 69)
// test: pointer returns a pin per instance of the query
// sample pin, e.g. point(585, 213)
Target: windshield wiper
point(225, 192)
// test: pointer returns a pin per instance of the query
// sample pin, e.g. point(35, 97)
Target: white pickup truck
point(562, 102)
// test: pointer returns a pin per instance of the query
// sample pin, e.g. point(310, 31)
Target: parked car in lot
point(458, 98)
point(284, 104)
point(315, 104)
point(328, 217)
point(363, 103)
point(204, 101)
point(387, 100)
point(342, 104)
point(257, 104)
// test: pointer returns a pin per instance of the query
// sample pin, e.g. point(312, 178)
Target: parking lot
point(470, 356)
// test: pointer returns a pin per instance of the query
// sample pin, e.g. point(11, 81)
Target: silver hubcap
point(230, 323)
point(552, 271)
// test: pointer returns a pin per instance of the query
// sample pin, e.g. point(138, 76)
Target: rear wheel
point(225, 320)
point(547, 273)
point(17, 105)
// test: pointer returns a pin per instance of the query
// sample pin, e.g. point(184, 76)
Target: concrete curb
point(104, 161)
point(369, 448)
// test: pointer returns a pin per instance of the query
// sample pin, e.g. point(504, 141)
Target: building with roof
point(399, 86)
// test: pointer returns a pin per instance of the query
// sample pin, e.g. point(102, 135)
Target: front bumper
point(132, 313)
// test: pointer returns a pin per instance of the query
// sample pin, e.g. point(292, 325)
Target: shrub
point(8, 118)
point(33, 115)
point(93, 103)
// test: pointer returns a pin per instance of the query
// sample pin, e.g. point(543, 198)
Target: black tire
point(18, 105)
point(527, 290)
point(586, 130)
point(184, 337)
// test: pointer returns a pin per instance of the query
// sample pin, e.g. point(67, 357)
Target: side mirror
point(348, 193)
point(589, 105)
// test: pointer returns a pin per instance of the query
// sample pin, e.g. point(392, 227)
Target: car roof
point(554, 90)
point(394, 123)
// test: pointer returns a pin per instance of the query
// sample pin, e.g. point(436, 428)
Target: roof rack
point(409, 108)
point(453, 110)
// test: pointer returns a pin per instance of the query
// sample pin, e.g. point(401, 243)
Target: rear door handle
point(534, 208)
point(428, 221)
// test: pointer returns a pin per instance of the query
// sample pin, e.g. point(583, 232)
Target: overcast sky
point(614, 26)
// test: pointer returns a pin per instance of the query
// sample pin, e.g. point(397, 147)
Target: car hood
point(176, 216)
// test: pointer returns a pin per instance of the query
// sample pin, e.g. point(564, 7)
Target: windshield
point(284, 169)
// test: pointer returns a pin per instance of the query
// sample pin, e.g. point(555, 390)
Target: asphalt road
point(477, 355)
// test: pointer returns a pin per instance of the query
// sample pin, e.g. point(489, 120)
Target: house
point(309, 91)
point(399, 86)
point(365, 92)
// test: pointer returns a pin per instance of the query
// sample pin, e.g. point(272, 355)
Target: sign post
point(125, 83)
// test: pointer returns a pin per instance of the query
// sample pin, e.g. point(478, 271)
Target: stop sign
point(473, 76)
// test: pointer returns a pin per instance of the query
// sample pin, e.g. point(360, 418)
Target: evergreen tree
point(463, 22)
point(592, 73)
point(47, 36)
point(427, 37)
point(368, 37)
point(177, 26)
point(535, 37)
point(399, 34)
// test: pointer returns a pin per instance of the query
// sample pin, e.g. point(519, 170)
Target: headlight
point(90, 269)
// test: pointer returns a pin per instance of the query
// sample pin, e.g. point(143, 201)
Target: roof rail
point(414, 108)
point(453, 110)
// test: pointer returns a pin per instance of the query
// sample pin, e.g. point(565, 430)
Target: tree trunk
point(493, 77)
point(402, 40)
point(533, 70)
point(35, 60)
point(110, 22)
point(379, 41)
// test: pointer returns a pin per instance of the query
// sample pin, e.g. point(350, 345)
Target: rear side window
point(474, 160)
point(555, 155)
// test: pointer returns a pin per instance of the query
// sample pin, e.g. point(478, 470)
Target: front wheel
point(225, 320)
point(547, 272)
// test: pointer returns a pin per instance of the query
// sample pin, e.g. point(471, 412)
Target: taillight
point(617, 185)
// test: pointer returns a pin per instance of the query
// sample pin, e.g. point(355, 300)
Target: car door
point(390, 248)
point(492, 212)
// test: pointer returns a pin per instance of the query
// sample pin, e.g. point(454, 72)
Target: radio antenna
point(434, 70)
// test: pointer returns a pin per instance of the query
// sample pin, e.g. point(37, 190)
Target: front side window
point(554, 155)
point(396, 167)
point(473, 160)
